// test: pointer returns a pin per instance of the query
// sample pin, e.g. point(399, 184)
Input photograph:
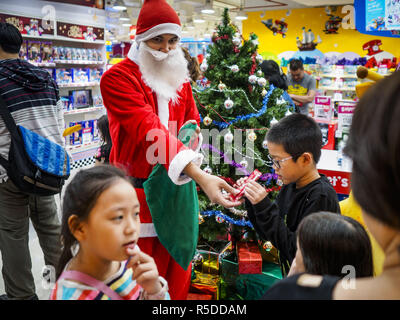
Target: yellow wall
point(314, 19)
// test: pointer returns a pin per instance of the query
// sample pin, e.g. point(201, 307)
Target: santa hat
point(155, 18)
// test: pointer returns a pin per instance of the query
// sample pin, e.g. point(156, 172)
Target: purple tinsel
point(265, 177)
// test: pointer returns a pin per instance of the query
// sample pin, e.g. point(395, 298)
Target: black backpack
point(35, 164)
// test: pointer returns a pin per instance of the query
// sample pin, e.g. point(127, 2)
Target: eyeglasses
point(277, 163)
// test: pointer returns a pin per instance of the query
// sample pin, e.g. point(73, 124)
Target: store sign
point(378, 17)
point(323, 109)
point(79, 32)
point(340, 180)
point(28, 25)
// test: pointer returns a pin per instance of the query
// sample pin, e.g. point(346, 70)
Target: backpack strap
point(90, 281)
point(9, 120)
point(11, 126)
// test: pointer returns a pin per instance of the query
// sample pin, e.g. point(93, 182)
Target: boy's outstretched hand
point(253, 191)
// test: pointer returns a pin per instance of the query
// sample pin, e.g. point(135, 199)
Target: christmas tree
point(237, 105)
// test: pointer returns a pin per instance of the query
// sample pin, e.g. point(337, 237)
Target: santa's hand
point(145, 272)
point(213, 186)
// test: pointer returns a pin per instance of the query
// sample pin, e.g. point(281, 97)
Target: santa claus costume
point(148, 95)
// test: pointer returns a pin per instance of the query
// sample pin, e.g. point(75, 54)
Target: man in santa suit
point(146, 95)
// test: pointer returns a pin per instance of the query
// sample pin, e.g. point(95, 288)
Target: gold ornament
point(252, 136)
point(207, 120)
point(268, 246)
point(201, 219)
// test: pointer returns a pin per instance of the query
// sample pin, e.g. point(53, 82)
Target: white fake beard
point(165, 77)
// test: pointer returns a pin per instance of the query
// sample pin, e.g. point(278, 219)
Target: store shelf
point(42, 64)
point(83, 147)
point(83, 110)
point(59, 62)
point(78, 85)
point(60, 38)
point(337, 89)
point(332, 75)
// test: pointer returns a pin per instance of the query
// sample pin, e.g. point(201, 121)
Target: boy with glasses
point(294, 145)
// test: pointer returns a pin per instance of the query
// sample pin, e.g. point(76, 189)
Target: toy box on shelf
point(328, 129)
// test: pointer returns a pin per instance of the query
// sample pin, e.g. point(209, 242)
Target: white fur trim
point(134, 52)
point(163, 109)
point(147, 230)
point(179, 162)
point(157, 30)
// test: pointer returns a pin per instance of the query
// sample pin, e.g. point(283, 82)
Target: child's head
point(374, 147)
point(294, 145)
point(326, 242)
point(104, 129)
point(100, 212)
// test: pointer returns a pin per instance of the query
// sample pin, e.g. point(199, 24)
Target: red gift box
point(249, 256)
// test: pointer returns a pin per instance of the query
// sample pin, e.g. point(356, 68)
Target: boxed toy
point(327, 69)
point(350, 69)
point(95, 75)
point(76, 137)
point(55, 53)
point(81, 98)
point(326, 81)
point(65, 103)
point(80, 75)
point(23, 53)
point(84, 54)
point(99, 55)
point(63, 76)
point(328, 130)
point(86, 132)
point(95, 130)
point(97, 101)
point(46, 52)
point(34, 51)
point(68, 54)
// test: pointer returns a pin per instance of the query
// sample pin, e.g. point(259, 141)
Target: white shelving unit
point(68, 14)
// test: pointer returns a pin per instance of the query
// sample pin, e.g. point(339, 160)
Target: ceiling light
point(208, 9)
point(126, 24)
point(198, 20)
point(118, 5)
point(241, 15)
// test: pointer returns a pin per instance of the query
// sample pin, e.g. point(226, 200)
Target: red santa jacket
point(133, 113)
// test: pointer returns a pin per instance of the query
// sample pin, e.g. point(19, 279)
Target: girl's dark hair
point(193, 65)
point(374, 147)
point(10, 38)
point(79, 199)
point(329, 241)
point(104, 128)
point(273, 74)
point(297, 134)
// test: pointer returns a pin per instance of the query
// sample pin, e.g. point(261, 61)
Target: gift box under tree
point(236, 286)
